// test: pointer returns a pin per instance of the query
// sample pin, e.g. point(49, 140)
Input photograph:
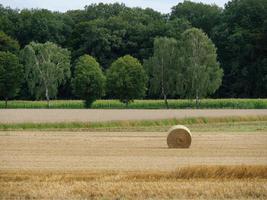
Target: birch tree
point(202, 74)
point(47, 66)
point(163, 69)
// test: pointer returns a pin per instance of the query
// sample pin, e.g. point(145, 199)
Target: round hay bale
point(179, 137)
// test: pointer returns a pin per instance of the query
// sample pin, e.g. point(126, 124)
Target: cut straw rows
point(206, 172)
point(190, 172)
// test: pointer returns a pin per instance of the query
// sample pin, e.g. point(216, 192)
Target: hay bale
point(179, 137)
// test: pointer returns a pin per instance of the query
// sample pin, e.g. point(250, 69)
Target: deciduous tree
point(89, 81)
point(46, 67)
point(202, 16)
point(163, 69)
point(126, 79)
point(11, 74)
point(202, 74)
point(241, 39)
point(8, 44)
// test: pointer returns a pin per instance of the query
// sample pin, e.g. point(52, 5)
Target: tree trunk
point(47, 97)
point(166, 101)
point(5, 102)
point(162, 85)
point(197, 99)
point(127, 104)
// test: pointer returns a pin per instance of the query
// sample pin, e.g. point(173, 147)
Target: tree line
point(108, 32)
point(187, 68)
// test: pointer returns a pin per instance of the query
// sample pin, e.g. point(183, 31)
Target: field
point(137, 185)
point(132, 185)
point(126, 150)
point(103, 159)
point(144, 104)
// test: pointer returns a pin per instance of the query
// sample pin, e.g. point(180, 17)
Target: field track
point(126, 151)
point(98, 115)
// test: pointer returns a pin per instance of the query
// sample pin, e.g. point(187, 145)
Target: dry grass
point(202, 182)
point(114, 189)
point(201, 172)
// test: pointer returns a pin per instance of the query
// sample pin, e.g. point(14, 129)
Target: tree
point(9, 20)
point(162, 68)
point(202, 74)
point(99, 38)
point(241, 38)
point(110, 31)
point(8, 44)
point(89, 81)
point(11, 74)
point(42, 25)
point(46, 67)
point(175, 28)
point(126, 79)
point(200, 15)
point(97, 11)
point(108, 37)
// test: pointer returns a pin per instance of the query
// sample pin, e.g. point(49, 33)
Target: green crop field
point(143, 104)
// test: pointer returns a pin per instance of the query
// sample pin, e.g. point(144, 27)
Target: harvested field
point(98, 115)
point(132, 165)
point(218, 182)
point(126, 151)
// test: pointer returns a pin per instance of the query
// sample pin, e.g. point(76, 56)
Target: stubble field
point(230, 164)
point(126, 150)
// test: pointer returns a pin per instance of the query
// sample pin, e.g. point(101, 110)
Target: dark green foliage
point(97, 11)
point(126, 80)
point(99, 38)
point(44, 25)
point(241, 38)
point(89, 81)
point(200, 15)
point(11, 75)
point(128, 31)
point(8, 44)
point(37, 25)
point(9, 21)
point(109, 31)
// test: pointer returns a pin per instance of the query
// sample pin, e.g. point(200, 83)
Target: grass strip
point(244, 123)
point(143, 104)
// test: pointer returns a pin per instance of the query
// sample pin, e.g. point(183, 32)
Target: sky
point(163, 6)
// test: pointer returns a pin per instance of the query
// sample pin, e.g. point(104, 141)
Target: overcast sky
point(163, 6)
